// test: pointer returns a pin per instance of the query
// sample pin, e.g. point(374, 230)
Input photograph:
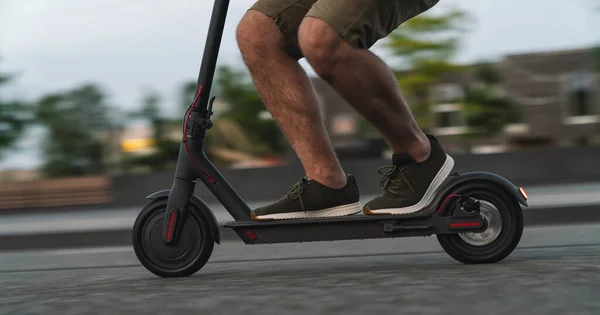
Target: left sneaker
point(410, 186)
point(311, 199)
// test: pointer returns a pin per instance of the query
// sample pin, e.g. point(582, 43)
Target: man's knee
point(256, 34)
point(321, 45)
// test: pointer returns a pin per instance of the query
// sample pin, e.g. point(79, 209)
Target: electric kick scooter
point(476, 216)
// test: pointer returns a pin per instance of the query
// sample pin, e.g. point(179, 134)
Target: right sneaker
point(410, 186)
point(311, 199)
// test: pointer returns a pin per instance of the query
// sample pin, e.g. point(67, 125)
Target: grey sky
point(128, 45)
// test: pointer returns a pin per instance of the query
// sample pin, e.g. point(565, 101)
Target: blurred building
point(558, 94)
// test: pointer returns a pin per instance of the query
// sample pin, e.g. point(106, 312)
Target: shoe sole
point(338, 211)
point(435, 184)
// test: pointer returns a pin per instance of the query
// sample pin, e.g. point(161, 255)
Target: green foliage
point(485, 73)
point(429, 37)
point(164, 156)
point(425, 45)
point(186, 95)
point(245, 108)
point(75, 120)
point(14, 115)
point(487, 110)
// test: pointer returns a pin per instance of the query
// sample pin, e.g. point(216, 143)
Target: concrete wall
point(535, 167)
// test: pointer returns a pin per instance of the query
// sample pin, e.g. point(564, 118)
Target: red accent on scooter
point(170, 230)
point(251, 235)
point(465, 224)
point(187, 149)
point(445, 201)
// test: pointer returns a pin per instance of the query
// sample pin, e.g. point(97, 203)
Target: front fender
point(213, 224)
point(486, 177)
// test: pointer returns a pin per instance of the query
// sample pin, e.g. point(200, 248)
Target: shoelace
point(296, 190)
point(391, 185)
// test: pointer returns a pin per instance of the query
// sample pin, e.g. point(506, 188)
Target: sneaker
point(410, 186)
point(311, 199)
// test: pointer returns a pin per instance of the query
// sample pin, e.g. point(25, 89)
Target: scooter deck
point(423, 223)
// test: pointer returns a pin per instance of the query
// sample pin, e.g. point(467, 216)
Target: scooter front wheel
point(504, 227)
point(183, 259)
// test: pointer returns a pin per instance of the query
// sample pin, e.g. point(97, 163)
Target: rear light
point(523, 193)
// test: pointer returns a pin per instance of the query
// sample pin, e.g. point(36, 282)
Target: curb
point(122, 237)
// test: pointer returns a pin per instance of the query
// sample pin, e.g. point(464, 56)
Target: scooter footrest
point(327, 220)
point(341, 228)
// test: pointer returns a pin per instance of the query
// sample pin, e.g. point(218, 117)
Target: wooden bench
point(56, 192)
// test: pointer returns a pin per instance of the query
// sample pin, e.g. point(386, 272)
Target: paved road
point(555, 270)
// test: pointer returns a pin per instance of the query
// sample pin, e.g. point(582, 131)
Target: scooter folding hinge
point(199, 122)
point(197, 126)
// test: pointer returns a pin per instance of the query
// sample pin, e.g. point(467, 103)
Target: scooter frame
point(449, 213)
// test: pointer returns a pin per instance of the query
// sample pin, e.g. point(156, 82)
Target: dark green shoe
point(311, 199)
point(409, 186)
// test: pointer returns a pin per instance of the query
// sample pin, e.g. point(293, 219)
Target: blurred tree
point(486, 107)
point(246, 109)
point(164, 156)
point(14, 114)
point(79, 125)
point(425, 46)
point(244, 129)
point(596, 53)
point(187, 95)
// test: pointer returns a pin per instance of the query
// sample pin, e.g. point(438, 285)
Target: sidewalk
point(549, 205)
point(540, 198)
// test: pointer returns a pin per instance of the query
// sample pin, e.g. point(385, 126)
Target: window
point(579, 102)
point(579, 95)
point(449, 119)
point(450, 92)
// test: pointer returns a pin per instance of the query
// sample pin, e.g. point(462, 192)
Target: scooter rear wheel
point(504, 227)
point(183, 259)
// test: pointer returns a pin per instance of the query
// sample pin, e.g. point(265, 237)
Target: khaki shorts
point(360, 23)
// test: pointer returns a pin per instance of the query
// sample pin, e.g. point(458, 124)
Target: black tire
point(506, 241)
point(190, 253)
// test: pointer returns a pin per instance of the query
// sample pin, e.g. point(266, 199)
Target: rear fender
point(503, 183)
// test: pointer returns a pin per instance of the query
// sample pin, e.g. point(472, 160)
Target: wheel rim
point(171, 257)
point(494, 226)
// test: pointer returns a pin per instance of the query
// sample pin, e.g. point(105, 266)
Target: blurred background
point(92, 96)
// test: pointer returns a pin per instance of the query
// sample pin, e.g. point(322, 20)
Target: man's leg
point(366, 82)
point(267, 39)
point(334, 39)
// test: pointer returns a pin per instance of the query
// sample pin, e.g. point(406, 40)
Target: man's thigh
point(361, 23)
point(287, 15)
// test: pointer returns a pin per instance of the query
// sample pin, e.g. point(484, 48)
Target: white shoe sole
point(427, 198)
point(337, 211)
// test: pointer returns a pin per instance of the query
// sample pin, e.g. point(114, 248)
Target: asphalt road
point(555, 270)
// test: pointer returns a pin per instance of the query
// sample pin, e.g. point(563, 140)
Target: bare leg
point(289, 96)
point(366, 83)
